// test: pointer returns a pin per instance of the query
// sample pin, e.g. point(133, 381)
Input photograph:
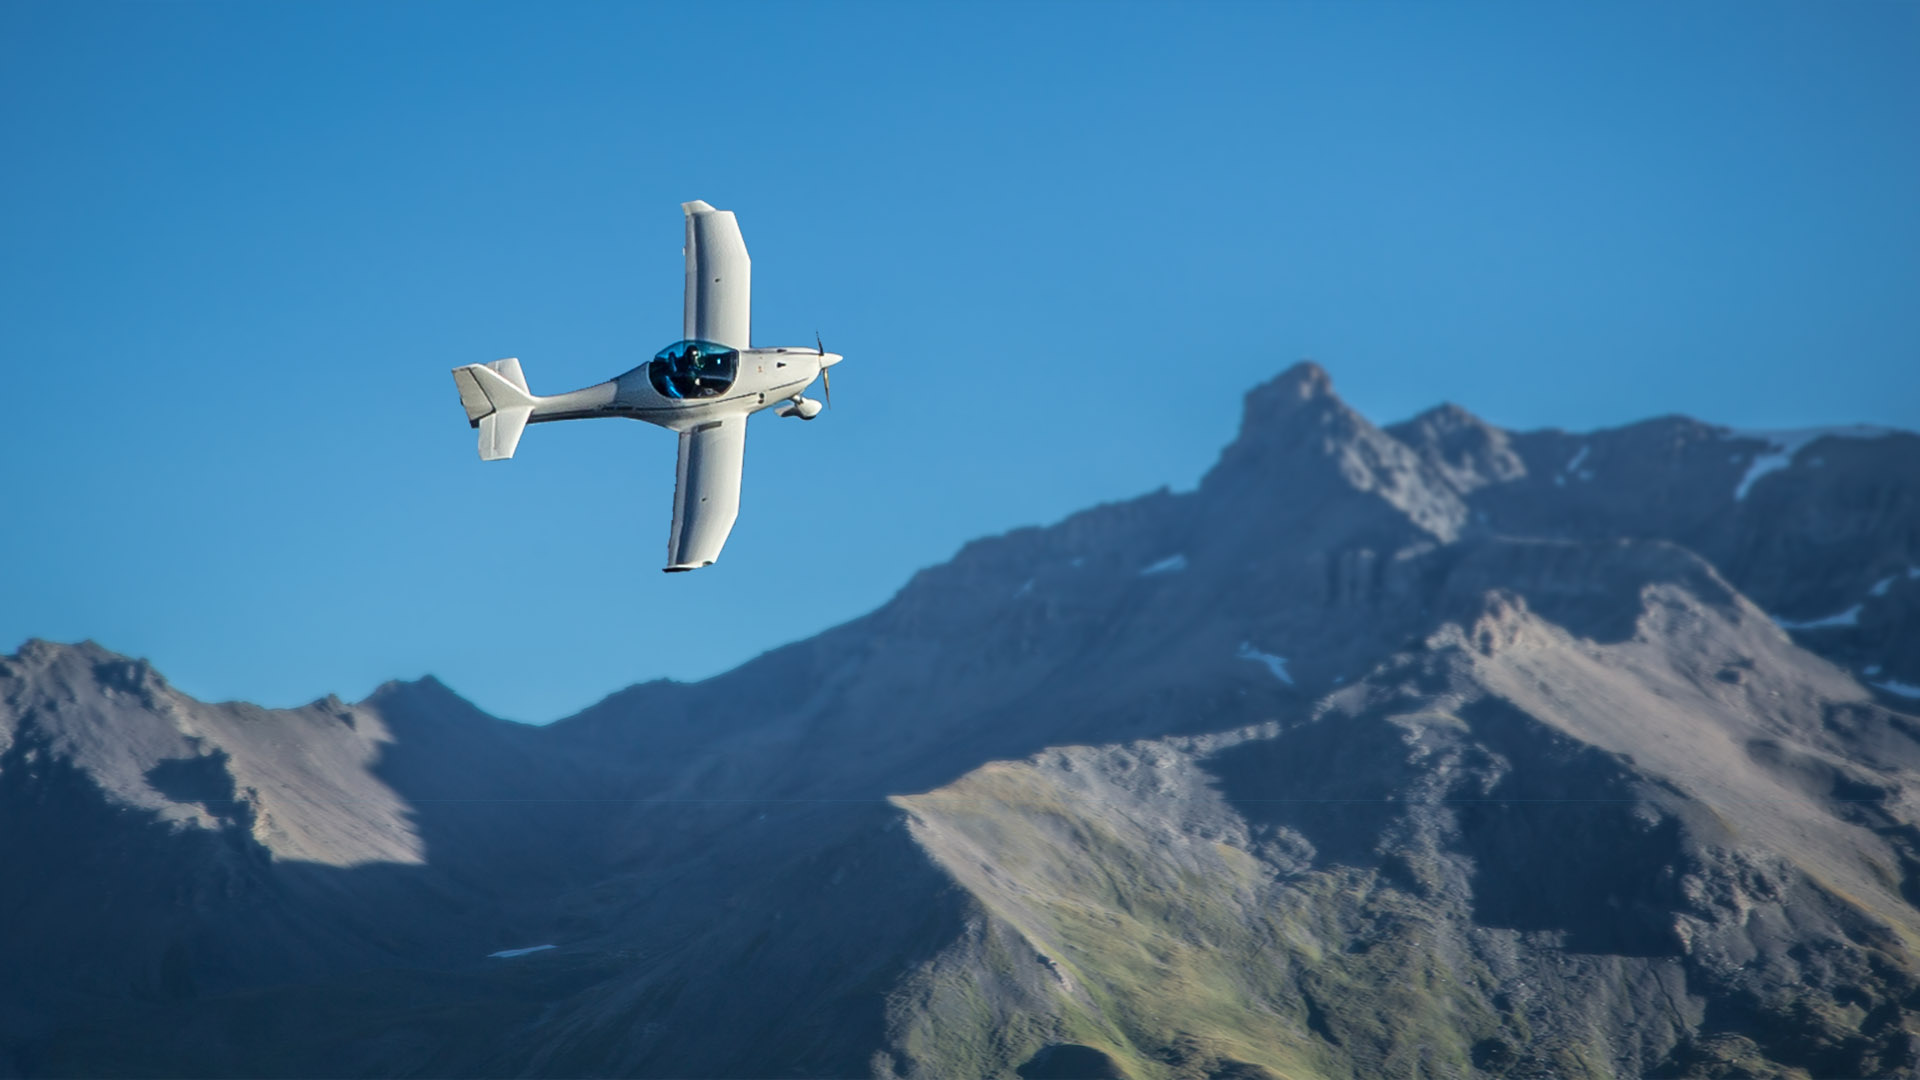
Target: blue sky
point(241, 246)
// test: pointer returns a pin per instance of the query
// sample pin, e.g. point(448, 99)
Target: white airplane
point(704, 387)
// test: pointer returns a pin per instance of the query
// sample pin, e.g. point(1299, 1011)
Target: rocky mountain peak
point(1301, 447)
point(1467, 450)
point(1291, 405)
point(426, 694)
point(39, 659)
point(1305, 381)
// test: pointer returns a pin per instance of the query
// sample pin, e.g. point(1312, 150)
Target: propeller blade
point(826, 380)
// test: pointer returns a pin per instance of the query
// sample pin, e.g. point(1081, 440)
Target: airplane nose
point(827, 360)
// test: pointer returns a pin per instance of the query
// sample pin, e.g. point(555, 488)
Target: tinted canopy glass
point(694, 369)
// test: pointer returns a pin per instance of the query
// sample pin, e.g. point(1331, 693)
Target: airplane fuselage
point(764, 378)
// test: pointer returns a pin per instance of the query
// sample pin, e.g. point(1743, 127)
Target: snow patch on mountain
point(1172, 564)
point(1783, 445)
point(505, 954)
point(1275, 664)
point(1849, 617)
point(1572, 468)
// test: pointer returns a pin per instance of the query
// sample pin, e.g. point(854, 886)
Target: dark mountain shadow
point(1570, 840)
point(506, 819)
point(1338, 791)
point(1070, 1061)
point(169, 947)
point(822, 911)
point(145, 944)
point(203, 780)
point(125, 924)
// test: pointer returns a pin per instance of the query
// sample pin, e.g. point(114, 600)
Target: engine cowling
point(804, 408)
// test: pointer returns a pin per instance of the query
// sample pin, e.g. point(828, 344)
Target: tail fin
point(497, 402)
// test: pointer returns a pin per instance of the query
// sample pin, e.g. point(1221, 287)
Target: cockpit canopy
point(694, 369)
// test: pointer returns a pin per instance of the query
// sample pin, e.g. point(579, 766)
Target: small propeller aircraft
point(704, 387)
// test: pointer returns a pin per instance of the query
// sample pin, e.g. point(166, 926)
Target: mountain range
point(1432, 749)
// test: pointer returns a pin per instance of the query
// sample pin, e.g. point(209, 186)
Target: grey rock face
point(1432, 749)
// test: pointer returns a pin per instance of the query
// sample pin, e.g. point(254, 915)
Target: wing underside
point(706, 492)
point(719, 278)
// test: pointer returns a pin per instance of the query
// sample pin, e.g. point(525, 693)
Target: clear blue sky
point(242, 244)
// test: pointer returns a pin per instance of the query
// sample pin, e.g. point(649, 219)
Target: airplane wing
point(706, 492)
point(719, 278)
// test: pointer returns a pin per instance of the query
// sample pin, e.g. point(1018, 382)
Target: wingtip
point(697, 206)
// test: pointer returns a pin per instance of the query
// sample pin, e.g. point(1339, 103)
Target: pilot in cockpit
point(686, 370)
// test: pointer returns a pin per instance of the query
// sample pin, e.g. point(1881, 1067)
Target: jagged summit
point(1469, 452)
point(1294, 408)
point(40, 655)
point(424, 693)
point(1301, 447)
point(1300, 383)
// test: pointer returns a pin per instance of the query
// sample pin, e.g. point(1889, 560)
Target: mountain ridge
point(1297, 742)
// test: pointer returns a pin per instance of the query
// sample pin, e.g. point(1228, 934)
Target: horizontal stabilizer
point(500, 432)
point(497, 402)
point(472, 398)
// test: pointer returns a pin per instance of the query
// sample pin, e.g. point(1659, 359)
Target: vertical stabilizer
point(509, 370)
